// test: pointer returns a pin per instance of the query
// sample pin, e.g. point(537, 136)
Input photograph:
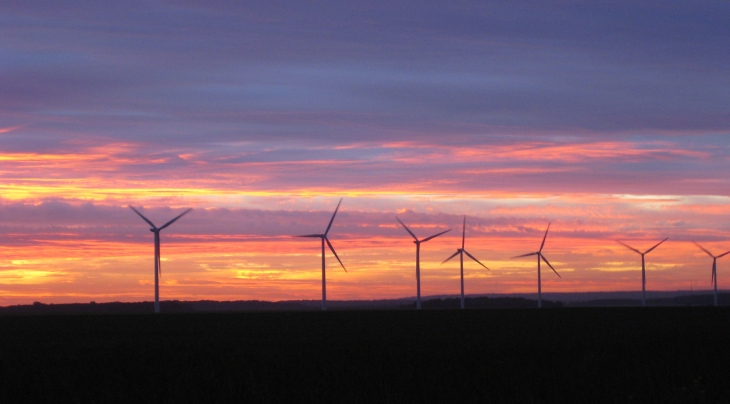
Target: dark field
point(651, 355)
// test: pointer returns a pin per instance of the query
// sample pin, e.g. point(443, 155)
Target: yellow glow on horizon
point(220, 270)
point(27, 277)
point(65, 188)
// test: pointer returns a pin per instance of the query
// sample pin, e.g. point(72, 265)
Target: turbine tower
point(714, 267)
point(158, 265)
point(539, 257)
point(643, 266)
point(324, 240)
point(418, 242)
point(460, 252)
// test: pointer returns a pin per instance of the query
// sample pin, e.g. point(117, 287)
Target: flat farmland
point(613, 355)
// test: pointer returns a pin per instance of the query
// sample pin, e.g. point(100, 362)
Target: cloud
point(197, 74)
point(577, 218)
point(87, 168)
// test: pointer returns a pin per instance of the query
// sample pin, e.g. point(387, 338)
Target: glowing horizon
point(202, 262)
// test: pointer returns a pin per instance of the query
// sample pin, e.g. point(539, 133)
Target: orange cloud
point(9, 129)
point(572, 153)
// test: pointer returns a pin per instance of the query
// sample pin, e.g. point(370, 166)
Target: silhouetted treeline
point(723, 299)
point(481, 302)
point(484, 303)
point(173, 306)
point(95, 308)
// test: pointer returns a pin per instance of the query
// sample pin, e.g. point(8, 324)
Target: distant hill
point(484, 302)
point(723, 299)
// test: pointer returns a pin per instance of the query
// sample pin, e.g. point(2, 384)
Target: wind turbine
point(714, 267)
point(158, 264)
point(324, 239)
point(418, 242)
point(460, 252)
point(643, 267)
point(540, 256)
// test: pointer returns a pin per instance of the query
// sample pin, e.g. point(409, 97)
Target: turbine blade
point(454, 255)
point(544, 237)
point(551, 267)
point(177, 217)
point(524, 255)
point(435, 235)
point(463, 233)
point(724, 254)
point(714, 271)
point(407, 229)
point(159, 261)
point(333, 217)
point(472, 257)
point(142, 216)
point(629, 247)
point(649, 250)
point(703, 249)
point(333, 252)
point(311, 235)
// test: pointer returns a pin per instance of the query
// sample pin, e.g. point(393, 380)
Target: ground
point(661, 354)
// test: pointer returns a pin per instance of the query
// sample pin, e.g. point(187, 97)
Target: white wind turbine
point(324, 239)
point(643, 266)
point(418, 242)
point(460, 252)
point(158, 266)
point(540, 256)
point(714, 267)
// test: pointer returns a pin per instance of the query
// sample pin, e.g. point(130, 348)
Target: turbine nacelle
point(713, 280)
point(639, 252)
point(154, 228)
point(462, 250)
point(539, 253)
point(324, 238)
point(415, 239)
point(709, 253)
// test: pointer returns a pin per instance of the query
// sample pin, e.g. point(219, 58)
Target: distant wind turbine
point(418, 242)
point(324, 239)
point(460, 252)
point(714, 267)
point(643, 266)
point(158, 264)
point(540, 256)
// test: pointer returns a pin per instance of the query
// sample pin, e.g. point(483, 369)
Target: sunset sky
point(609, 119)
